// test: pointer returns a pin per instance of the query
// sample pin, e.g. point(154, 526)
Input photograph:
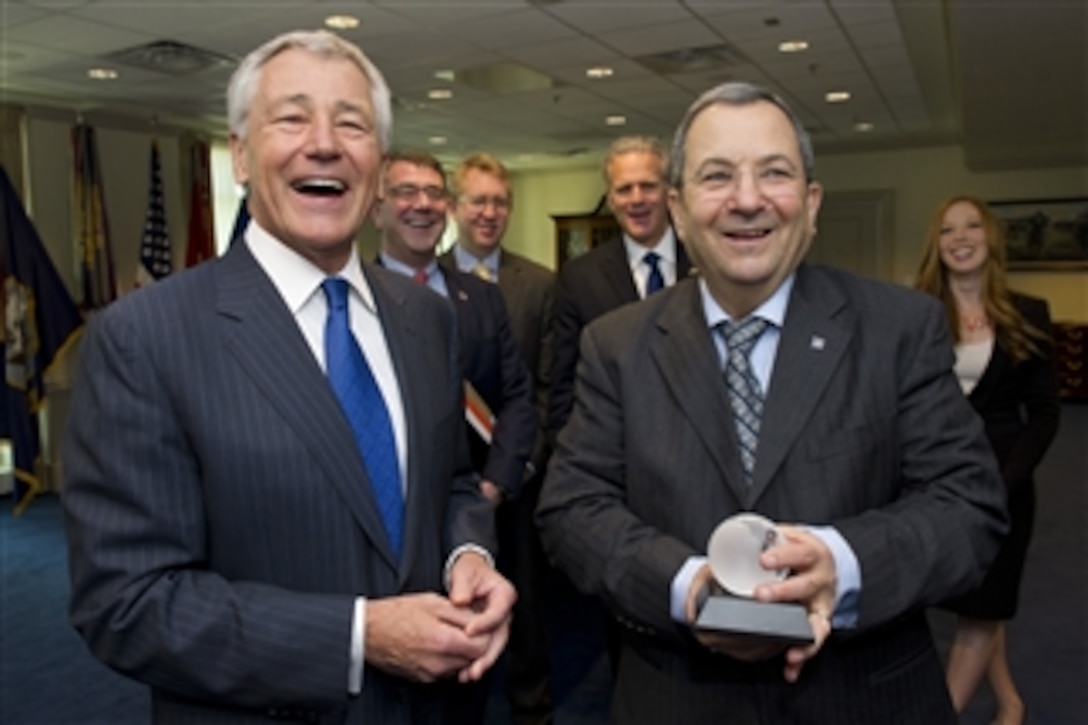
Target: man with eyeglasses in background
point(483, 200)
point(411, 215)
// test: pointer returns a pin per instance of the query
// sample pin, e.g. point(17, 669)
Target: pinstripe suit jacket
point(864, 428)
point(219, 518)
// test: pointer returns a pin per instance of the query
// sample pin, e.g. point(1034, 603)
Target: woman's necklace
point(975, 323)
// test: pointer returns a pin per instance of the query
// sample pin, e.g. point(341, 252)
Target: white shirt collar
point(297, 278)
point(773, 308)
point(466, 261)
point(665, 248)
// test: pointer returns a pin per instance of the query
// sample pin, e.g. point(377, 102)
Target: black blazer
point(491, 361)
point(1019, 404)
point(220, 522)
point(528, 289)
point(589, 286)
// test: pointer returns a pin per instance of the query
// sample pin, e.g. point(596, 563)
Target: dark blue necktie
point(362, 402)
point(655, 281)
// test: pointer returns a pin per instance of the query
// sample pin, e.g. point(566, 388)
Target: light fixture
point(440, 94)
point(837, 96)
point(792, 46)
point(616, 120)
point(600, 71)
point(445, 75)
point(102, 74)
point(342, 22)
point(437, 140)
point(863, 126)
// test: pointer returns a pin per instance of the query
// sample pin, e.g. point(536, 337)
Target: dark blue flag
point(41, 322)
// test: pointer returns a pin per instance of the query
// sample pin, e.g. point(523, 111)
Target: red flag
point(201, 237)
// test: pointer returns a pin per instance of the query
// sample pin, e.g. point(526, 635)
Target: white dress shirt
point(640, 271)
point(761, 360)
point(298, 281)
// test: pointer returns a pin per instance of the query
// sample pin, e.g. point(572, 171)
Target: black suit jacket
point(864, 428)
point(220, 521)
point(589, 286)
point(490, 360)
point(492, 363)
point(1019, 404)
point(528, 289)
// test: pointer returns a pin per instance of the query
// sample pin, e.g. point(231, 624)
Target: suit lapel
point(617, 272)
point(685, 355)
point(813, 342)
point(263, 336)
point(411, 363)
point(683, 264)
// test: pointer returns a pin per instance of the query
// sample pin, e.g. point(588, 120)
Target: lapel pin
point(817, 343)
point(461, 295)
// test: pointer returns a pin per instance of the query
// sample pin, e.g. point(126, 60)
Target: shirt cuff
point(681, 584)
point(358, 651)
point(462, 549)
point(847, 576)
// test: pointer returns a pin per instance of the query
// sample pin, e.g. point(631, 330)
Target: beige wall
point(919, 178)
point(124, 150)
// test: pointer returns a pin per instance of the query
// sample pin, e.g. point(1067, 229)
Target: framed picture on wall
point(1045, 233)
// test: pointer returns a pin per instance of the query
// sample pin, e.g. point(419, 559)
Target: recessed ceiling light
point(342, 22)
point(445, 75)
point(440, 94)
point(102, 74)
point(863, 126)
point(600, 71)
point(437, 140)
point(616, 120)
point(792, 46)
point(837, 96)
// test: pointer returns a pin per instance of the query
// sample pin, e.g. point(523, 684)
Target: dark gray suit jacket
point(864, 428)
point(528, 289)
point(219, 517)
point(589, 286)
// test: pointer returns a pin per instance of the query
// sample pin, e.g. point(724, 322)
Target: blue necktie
point(744, 393)
point(353, 382)
point(655, 281)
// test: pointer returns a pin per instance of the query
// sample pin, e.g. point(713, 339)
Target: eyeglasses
point(410, 192)
point(479, 203)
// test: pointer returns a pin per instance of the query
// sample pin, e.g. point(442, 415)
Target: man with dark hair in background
point(410, 213)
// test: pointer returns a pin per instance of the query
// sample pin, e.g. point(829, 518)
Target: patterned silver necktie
point(745, 395)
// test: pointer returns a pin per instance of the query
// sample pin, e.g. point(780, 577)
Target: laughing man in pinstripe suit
point(226, 546)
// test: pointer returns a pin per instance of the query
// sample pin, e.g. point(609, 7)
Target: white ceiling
point(1006, 78)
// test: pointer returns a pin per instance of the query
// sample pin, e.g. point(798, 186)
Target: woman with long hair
point(1004, 360)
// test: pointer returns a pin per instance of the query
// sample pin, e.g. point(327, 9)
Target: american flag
point(155, 257)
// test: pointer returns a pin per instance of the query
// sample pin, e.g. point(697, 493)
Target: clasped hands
point(426, 637)
point(812, 582)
